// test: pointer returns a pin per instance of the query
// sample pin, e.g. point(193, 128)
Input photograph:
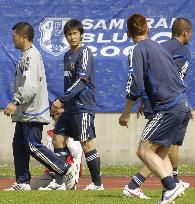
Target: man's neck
point(139, 38)
point(27, 45)
point(180, 39)
point(75, 48)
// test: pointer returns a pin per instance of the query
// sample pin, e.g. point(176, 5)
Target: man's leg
point(158, 166)
point(132, 189)
point(139, 178)
point(60, 150)
point(60, 147)
point(173, 155)
point(83, 130)
point(21, 155)
point(155, 162)
point(174, 152)
point(45, 156)
point(41, 153)
point(21, 160)
point(93, 163)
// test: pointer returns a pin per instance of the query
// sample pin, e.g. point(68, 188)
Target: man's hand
point(124, 119)
point(10, 109)
point(139, 111)
point(56, 107)
point(193, 115)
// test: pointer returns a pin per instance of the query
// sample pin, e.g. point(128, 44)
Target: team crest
point(52, 39)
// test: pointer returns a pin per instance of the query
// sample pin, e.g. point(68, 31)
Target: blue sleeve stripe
point(36, 114)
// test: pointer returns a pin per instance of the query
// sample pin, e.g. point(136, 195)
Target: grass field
point(82, 197)
point(120, 170)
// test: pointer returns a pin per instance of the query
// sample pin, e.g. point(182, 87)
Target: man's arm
point(83, 70)
point(29, 85)
point(124, 118)
point(135, 85)
point(30, 80)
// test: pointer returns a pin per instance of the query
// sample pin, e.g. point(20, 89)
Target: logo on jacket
point(52, 39)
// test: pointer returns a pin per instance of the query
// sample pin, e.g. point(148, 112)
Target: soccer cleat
point(70, 178)
point(92, 186)
point(53, 186)
point(135, 193)
point(170, 195)
point(19, 186)
point(186, 185)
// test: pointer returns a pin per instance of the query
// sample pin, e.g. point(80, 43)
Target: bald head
point(181, 25)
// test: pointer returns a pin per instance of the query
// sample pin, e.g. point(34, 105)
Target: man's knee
point(59, 141)
point(87, 146)
point(140, 152)
point(173, 150)
point(145, 148)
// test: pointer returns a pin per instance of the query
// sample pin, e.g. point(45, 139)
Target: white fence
point(115, 144)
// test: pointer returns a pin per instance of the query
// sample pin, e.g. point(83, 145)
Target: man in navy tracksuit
point(153, 71)
point(181, 34)
point(78, 100)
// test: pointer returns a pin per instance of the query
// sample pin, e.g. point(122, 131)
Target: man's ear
point(25, 37)
point(185, 34)
point(128, 34)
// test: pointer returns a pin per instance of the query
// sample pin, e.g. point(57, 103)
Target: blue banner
point(105, 33)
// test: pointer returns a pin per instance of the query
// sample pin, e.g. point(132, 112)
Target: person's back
point(161, 79)
point(176, 47)
point(180, 54)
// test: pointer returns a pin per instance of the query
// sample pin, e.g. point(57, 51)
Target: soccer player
point(78, 100)
point(152, 71)
point(181, 35)
point(30, 110)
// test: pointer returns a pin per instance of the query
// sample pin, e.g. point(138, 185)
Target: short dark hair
point(180, 25)
point(24, 28)
point(137, 24)
point(73, 24)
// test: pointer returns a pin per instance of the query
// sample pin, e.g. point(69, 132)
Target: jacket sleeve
point(30, 79)
point(135, 82)
point(182, 60)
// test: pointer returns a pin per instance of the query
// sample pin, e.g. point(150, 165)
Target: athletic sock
point(136, 181)
point(175, 174)
point(168, 182)
point(93, 163)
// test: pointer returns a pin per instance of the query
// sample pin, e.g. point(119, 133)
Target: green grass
point(120, 170)
point(83, 197)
